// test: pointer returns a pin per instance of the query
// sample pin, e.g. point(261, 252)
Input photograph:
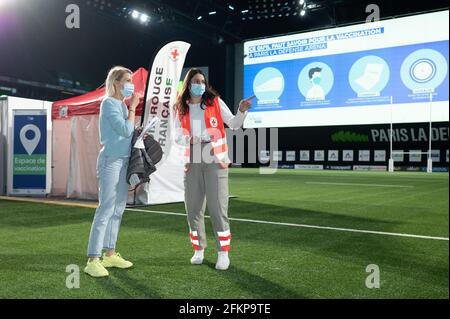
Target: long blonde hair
point(116, 73)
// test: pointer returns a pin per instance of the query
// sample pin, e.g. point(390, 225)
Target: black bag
point(143, 162)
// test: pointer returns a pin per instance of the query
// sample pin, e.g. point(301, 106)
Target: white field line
point(304, 226)
point(358, 184)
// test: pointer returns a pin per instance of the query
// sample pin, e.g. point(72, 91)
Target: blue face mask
point(317, 80)
point(128, 89)
point(197, 89)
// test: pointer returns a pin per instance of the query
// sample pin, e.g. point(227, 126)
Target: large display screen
point(372, 73)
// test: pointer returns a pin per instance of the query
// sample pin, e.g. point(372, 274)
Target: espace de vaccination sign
point(29, 152)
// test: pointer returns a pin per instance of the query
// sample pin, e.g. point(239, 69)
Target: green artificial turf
point(38, 241)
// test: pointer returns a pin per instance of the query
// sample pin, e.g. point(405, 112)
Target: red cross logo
point(174, 54)
point(213, 122)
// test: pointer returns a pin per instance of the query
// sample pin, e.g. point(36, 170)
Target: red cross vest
point(216, 131)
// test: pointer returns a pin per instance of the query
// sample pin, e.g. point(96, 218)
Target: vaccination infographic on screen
point(397, 66)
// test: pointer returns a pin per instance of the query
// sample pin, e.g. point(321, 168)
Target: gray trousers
point(206, 184)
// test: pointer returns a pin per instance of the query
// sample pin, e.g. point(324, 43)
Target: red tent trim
point(89, 103)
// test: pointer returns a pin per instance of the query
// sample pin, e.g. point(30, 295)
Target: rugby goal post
point(391, 133)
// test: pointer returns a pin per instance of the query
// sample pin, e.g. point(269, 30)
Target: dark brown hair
point(183, 97)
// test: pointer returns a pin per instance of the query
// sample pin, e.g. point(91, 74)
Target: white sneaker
point(223, 262)
point(197, 259)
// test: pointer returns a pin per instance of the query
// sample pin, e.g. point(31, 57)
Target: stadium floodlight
point(302, 12)
point(144, 18)
point(135, 14)
point(5, 3)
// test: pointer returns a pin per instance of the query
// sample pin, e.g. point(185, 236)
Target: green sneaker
point(96, 269)
point(116, 261)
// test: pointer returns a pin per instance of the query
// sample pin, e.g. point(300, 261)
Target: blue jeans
point(112, 197)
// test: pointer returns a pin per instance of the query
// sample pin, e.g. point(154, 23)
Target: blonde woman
point(116, 127)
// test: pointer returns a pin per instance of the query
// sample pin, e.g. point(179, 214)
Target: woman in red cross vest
point(201, 117)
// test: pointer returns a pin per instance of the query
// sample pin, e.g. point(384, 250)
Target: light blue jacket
point(115, 130)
